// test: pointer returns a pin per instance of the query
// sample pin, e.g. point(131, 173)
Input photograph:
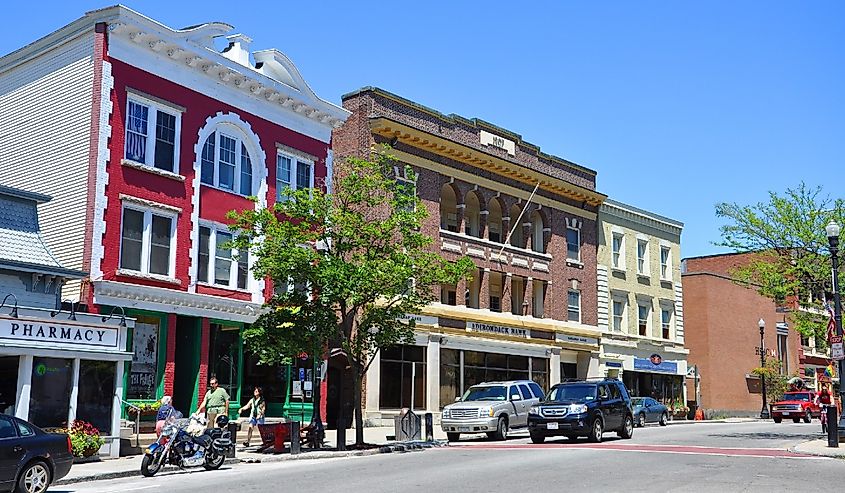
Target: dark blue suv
point(583, 408)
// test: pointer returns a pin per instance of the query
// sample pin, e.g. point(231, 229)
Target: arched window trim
point(238, 155)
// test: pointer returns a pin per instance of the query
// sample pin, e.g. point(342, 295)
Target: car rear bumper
point(570, 425)
point(469, 425)
point(61, 466)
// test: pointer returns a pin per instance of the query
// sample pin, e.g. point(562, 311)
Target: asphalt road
point(700, 457)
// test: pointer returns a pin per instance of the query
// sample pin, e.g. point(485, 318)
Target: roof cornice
point(473, 157)
point(639, 216)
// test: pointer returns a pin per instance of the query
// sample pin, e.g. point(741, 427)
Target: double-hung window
point(618, 314)
point(618, 251)
point(574, 306)
point(152, 134)
point(666, 322)
point(147, 240)
point(573, 244)
point(642, 257)
point(219, 264)
point(294, 173)
point(665, 263)
point(642, 318)
point(225, 163)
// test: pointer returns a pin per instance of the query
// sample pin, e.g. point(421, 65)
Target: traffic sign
point(837, 349)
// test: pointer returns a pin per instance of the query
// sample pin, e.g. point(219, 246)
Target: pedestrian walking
point(257, 409)
point(215, 402)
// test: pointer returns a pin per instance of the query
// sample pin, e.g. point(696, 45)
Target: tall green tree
point(790, 252)
point(357, 262)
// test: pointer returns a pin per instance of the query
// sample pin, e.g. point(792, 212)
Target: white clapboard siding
point(45, 120)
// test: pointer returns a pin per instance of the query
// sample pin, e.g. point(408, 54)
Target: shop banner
point(142, 377)
point(48, 331)
point(498, 329)
point(655, 363)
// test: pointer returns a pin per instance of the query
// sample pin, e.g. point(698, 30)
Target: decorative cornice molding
point(174, 301)
point(639, 216)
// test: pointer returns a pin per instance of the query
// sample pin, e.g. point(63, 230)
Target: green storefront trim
point(160, 360)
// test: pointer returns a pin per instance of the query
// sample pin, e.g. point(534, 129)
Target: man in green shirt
point(216, 402)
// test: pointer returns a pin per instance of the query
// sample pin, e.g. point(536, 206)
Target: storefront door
point(186, 374)
point(8, 383)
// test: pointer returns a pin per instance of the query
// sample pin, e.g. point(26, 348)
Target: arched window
point(472, 215)
point(516, 226)
point(537, 243)
point(448, 209)
point(494, 221)
point(226, 163)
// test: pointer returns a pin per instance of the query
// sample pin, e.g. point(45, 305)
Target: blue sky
point(676, 105)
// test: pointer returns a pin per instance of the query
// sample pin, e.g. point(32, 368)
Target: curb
point(384, 449)
point(833, 454)
point(116, 475)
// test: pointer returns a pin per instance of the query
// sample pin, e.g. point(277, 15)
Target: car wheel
point(641, 420)
point(35, 478)
point(777, 420)
point(537, 438)
point(453, 437)
point(664, 419)
point(808, 416)
point(796, 420)
point(596, 431)
point(627, 430)
point(501, 432)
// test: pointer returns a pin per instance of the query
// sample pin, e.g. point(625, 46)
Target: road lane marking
point(660, 449)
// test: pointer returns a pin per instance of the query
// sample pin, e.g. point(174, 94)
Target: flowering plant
point(144, 408)
point(85, 438)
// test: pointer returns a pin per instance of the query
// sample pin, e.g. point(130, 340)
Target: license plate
point(551, 426)
point(786, 413)
point(463, 428)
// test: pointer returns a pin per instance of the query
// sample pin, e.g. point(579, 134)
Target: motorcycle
point(187, 443)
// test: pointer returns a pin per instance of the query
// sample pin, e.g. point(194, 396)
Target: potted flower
point(85, 438)
point(678, 409)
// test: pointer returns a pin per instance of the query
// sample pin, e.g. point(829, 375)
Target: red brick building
point(146, 136)
point(723, 337)
point(531, 308)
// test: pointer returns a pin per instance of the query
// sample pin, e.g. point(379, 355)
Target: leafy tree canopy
point(791, 258)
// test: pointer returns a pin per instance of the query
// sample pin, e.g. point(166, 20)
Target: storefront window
point(143, 369)
point(667, 389)
point(224, 357)
point(489, 367)
point(8, 383)
point(96, 393)
point(450, 376)
point(273, 379)
point(568, 371)
point(49, 398)
point(540, 372)
point(399, 365)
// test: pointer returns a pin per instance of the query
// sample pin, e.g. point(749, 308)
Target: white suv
point(492, 408)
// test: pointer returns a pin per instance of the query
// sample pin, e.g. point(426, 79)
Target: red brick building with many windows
point(146, 136)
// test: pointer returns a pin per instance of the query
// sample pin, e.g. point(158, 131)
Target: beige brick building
point(640, 302)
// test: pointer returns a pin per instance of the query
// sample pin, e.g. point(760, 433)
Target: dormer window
point(226, 163)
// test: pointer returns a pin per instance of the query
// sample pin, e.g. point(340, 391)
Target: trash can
point(407, 426)
point(232, 427)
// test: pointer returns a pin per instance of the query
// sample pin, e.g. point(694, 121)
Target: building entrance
point(8, 383)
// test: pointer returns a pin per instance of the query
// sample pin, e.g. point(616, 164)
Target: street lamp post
point(764, 412)
point(832, 230)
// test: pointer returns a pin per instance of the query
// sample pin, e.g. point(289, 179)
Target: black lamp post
point(764, 412)
point(832, 230)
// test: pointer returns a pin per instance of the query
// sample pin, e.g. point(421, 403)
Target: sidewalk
point(131, 466)
point(819, 447)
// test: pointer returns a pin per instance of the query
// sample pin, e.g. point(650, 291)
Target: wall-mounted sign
point(142, 376)
point(655, 363)
point(58, 333)
point(494, 140)
point(498, 329)
point(613, 364)
point(418, 319)
point(591, 341)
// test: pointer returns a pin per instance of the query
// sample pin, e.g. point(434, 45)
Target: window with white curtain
point(152, 134)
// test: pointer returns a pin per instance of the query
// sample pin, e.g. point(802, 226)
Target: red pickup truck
point(797, 405)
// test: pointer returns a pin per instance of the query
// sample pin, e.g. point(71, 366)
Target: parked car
point(796, 405)
point(492, 408)
point(648, 410)
point(30, 458)
point(583, 408)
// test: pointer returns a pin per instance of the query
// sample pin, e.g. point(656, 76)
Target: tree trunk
point(359, 415)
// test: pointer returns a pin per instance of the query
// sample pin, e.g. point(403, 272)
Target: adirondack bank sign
point(42, 331)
